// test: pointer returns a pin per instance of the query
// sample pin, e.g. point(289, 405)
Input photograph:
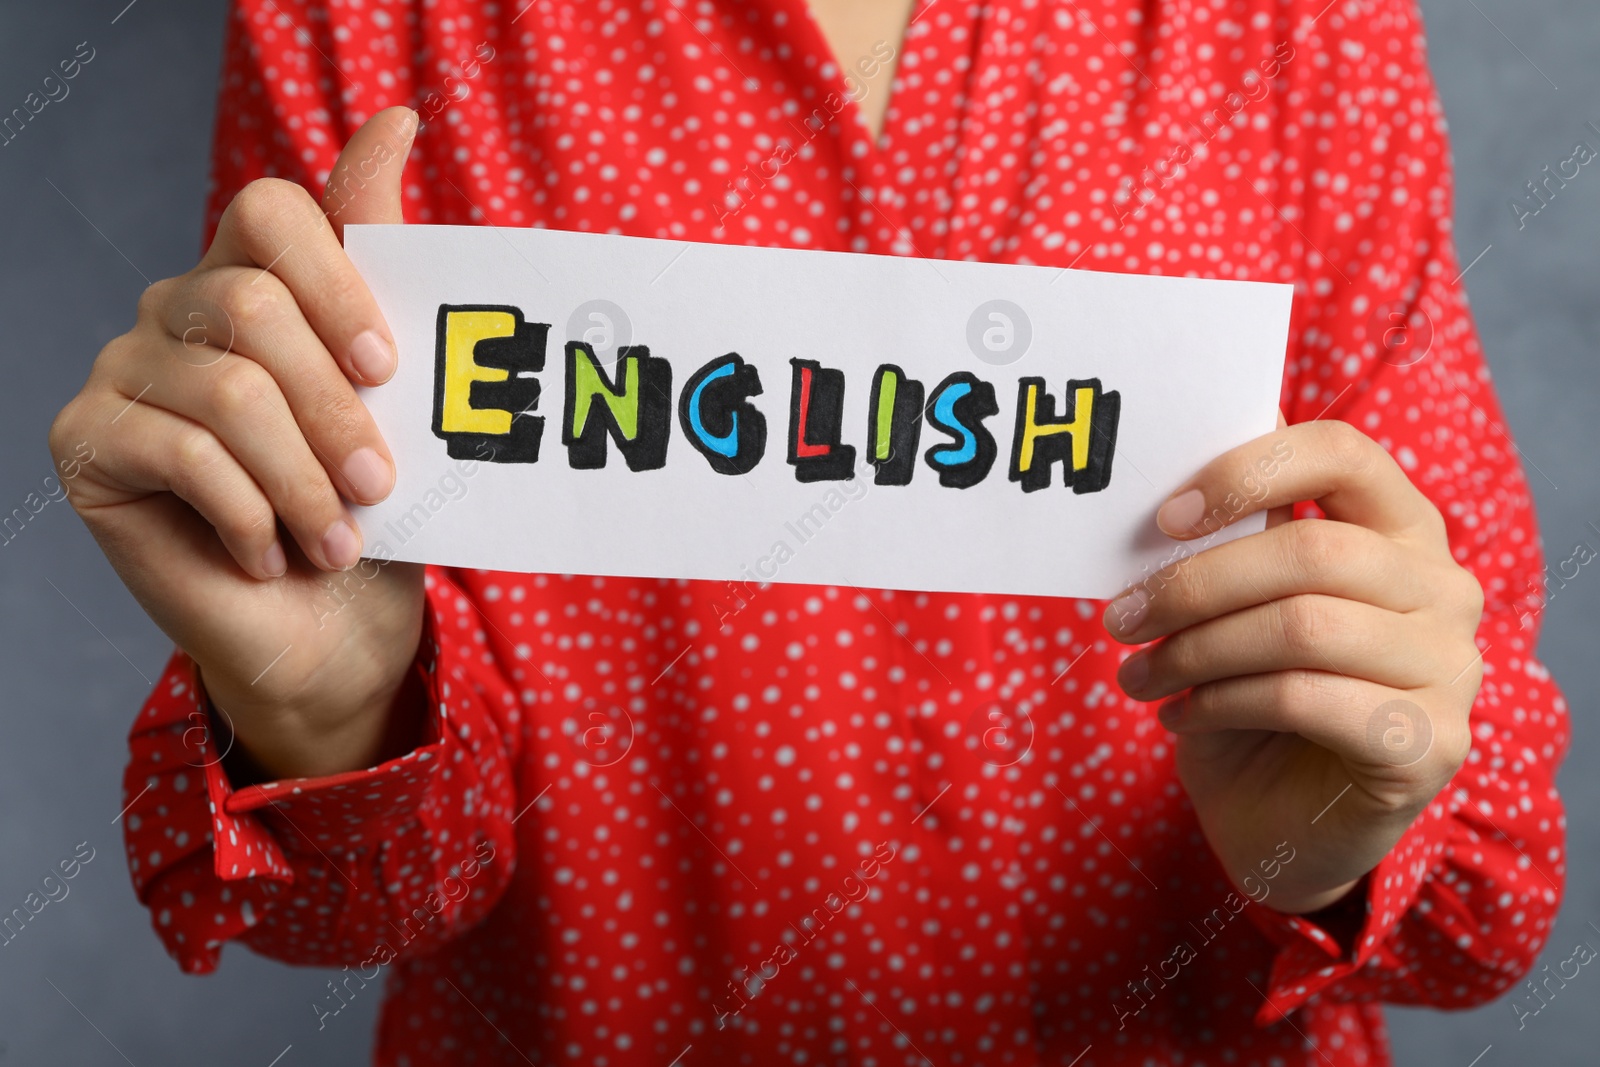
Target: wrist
point(359, 702)
point(350, 726)
point(1308, 902)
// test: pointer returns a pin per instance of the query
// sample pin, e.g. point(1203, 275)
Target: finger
point(1280, 515)
point(1359, 720)
point(1327, 709)
point(264, 324)
point(238, 401)
point(1305, 556)
point(1351, 478)
point(1312, 632)
point(155, 451)
point(275, 225)
point(364, 185)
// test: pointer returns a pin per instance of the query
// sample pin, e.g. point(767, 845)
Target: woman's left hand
point(1318, 675)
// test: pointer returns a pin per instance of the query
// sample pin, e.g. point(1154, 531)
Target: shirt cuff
point(259, 829)
point(1316, 951)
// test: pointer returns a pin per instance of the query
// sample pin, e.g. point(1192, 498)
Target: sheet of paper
point(585, 403)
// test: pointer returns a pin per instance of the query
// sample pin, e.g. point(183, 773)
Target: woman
point(610, 821)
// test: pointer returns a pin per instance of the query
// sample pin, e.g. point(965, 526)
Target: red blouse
point(854, 825)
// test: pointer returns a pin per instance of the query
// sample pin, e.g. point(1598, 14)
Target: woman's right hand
point(224, 430)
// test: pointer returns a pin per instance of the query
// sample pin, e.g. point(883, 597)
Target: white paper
point(1197, 365)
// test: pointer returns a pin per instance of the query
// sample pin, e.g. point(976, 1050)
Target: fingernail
point(1182, 513)
point(273, 561)
point(341, 546)
point(372, 357)
point(1127, 611)
point(369, 475)
point(1171, 712)
point(1135, 673)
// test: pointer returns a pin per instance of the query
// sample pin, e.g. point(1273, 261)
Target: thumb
point(364, 185)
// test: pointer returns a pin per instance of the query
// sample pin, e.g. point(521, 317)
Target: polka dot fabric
point(643, 827)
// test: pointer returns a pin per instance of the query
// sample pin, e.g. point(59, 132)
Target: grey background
point(126, 151)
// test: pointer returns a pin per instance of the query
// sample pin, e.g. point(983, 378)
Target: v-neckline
point(854, 118)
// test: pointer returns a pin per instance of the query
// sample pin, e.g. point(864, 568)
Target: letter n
point(635, 411)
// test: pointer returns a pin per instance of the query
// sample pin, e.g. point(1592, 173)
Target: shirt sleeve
point(358, 868)
point(285, 110)
point(1383, 339)
point(320, 871)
